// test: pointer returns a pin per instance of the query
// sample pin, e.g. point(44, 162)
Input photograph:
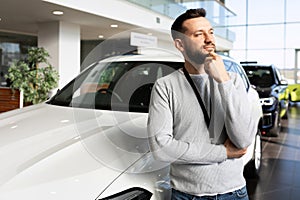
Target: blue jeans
point(240, 194)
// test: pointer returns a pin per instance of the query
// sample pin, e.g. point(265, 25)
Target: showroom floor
point(280, 172)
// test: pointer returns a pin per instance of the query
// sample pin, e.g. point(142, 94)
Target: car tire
point(274, 132)
point(252, 168)
point(286, 115)
point(285, 106)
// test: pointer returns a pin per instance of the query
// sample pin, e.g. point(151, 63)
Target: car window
point(278, 76)
point(121, 86)
point(260, 76)
point(234, 67)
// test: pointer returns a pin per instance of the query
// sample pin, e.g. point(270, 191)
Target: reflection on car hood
point(47, 149)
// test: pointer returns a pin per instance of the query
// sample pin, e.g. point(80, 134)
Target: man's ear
point(179, 44)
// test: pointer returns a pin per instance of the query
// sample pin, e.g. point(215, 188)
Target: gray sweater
point(178, 133)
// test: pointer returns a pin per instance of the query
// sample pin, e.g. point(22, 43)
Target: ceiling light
point(57, 12)
point(100, 36)
point(114, 25)
point(65, 121)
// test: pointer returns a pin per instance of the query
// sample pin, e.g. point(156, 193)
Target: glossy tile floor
point(279, 177)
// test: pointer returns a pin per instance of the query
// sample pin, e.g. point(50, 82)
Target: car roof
point(255, 64)
point(165, 57)
point(144, 57)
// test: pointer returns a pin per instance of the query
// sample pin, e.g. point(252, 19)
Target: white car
point(89, 141)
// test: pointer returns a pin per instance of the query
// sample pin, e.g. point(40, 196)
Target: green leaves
point(36, 56)
point(35, 82)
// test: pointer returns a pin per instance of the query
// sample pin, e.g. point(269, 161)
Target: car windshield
point(260, 76)
point(121, 86)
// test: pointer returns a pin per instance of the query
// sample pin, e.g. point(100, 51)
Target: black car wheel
point(277, 124)
point(286, 109)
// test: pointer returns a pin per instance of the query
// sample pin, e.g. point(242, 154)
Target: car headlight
point(267, 101)
point(130, 194)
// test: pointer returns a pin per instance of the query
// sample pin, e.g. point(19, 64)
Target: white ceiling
point(23, 16)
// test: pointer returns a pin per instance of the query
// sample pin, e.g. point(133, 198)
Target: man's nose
point(208, 38)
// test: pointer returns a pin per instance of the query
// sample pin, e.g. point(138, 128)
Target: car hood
point(265, 92)
point(46, 150)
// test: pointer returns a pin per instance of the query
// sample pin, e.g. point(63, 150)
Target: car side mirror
point(253, 86)
point(283, 82)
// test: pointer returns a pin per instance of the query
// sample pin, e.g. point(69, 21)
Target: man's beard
point(196, 57)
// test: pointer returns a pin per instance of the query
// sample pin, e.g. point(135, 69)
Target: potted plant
point(34, 81)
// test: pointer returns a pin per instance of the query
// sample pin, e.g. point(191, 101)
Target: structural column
point(62, 41)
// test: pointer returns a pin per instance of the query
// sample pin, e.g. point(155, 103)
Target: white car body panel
point(49, 158)
point(54, 152)
point(257, 113)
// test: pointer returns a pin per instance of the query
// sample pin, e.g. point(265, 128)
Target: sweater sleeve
point(164, 146)
point(241, 122)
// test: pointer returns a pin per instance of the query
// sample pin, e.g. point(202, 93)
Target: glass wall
point(267, 31)
point(217, 13)
point(13, 47)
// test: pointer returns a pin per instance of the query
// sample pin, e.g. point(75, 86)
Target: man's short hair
point(177, 28)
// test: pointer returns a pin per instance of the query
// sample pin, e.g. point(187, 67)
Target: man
point(204, 144)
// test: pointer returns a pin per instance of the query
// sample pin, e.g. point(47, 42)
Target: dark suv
point(273, 94)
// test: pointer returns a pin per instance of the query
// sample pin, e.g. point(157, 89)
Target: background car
point(294, 93)
point(90, 141)
point(273, 93)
